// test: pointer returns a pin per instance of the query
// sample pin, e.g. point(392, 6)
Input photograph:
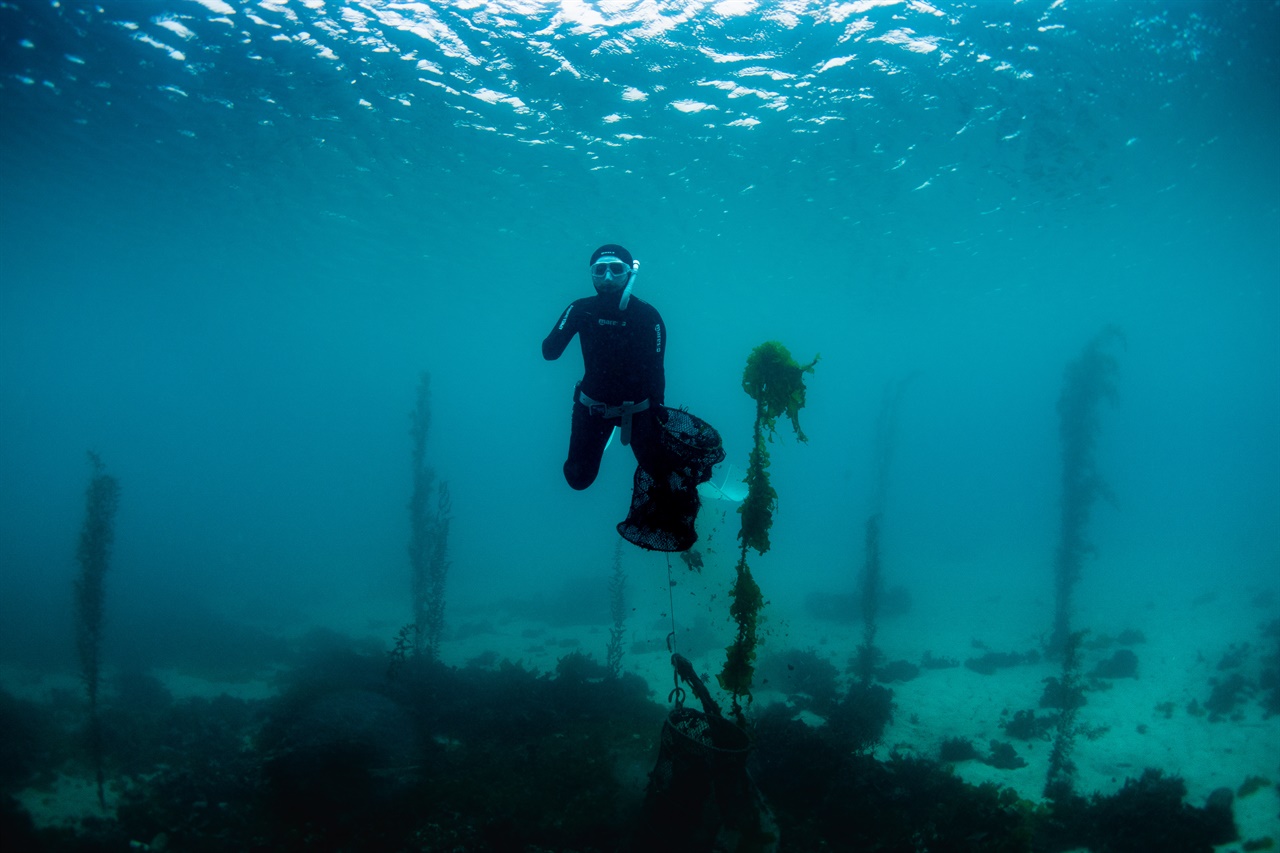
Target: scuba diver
point(623, 342)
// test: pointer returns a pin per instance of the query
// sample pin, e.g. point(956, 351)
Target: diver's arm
point(561, 333)
point(658, 396)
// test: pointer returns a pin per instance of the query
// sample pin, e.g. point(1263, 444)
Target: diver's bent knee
point(578, 479)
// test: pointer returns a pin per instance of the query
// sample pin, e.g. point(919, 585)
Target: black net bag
point(700, 796)
point(693, 445)
point(699, 778)
point(665, 503)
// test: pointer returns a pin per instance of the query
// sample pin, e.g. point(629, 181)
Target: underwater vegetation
point(957, 749)
point(872, 580)
point(1227, 695)
point(776, 382)
point(500, 758)
point(865, 657)
point(1122, 664)
point(1088, 380)
point(1269, 680)
point(1245, 672)
point(355, 755)
point(897, 670)
point(1147, 813)
point(347, 757)
point(829, 798)
point(859, 721)
point(739, 665)
point(102, 498)
point(1068, 697)
point(989, 662)
point(1028, 725)
point(428, 534)
point(886, 439)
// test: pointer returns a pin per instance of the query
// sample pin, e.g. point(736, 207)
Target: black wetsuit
point(622, 354)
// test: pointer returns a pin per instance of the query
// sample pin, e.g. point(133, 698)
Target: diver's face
point(609, 275)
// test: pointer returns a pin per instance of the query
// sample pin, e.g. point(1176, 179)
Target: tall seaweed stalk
point(428, 533)
point(102, 498)
point(865, 660)
point(776, 382)
point(618, 610)
point(1088, 381)
point(1060, 780)
point(886, 440)
point(872, 581)
point(438, 571)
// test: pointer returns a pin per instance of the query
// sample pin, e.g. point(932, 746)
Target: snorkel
point(626, 291)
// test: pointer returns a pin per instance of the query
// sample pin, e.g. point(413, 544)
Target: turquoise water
point(233, 234)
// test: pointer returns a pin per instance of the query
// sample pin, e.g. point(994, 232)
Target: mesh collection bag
point(700, 796)
point(664, 504)
point(700, 776)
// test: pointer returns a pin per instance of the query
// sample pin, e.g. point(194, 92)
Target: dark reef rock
point(1149, 814)
point(898, 670)
point(1252, 785)
point(28, 742)
point(794, 761)
point(990, 662)
point(1004, 757)
point(859, 720)
point(577, 667)
point(1027, 725)
point(1269, 678)
point(1227, 694)
point(1122, 664)
point(342, 754)
point(496, 758)
point(1234, 657)
point(828, 799)
point(956, 749)
point(931, 662)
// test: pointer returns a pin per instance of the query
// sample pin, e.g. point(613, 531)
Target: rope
point(671, 607)
point(677, 692)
